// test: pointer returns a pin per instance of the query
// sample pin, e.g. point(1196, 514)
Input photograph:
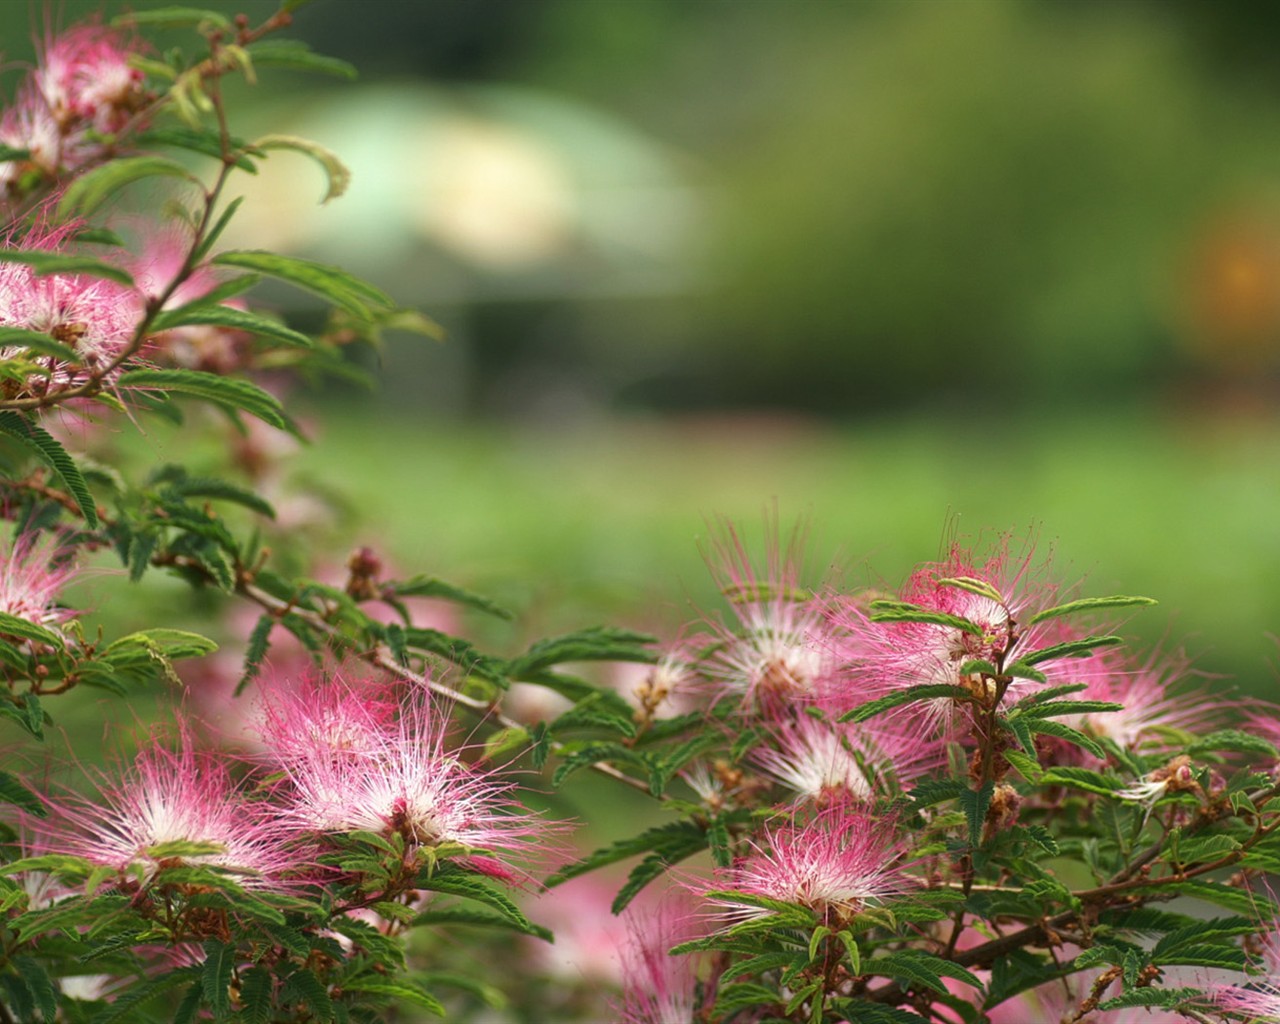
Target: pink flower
point(588, 936)
point(172, 794)
point(94, 316)
point(81, 93)
point(1258, 1000)
point(30, 125)
point(1257, 1003)
point(657, 987)
point(349, 768)
point(824, 761)
point(84, 75)
point(879, 657)
point(780, 650)
point(323, 716)
point(31, 574)
point(837, 864)
point(1152, 703)
point(163, 254)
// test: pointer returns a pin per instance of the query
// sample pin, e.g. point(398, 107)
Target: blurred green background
point(906, 269)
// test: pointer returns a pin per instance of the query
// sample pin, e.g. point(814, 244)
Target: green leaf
point(256, 651)
point(1226, 957)
point(90, 190)
point(330, 283)
point(1197, 849)
point(919, 969)
point(14, 792)
point(172, 17)
point(123, 1009)
point(1240, 901)
point(975, 804)
point(1021, 670)
point(43, 263)
point(475, 918)
point(1233, 741)
point(974, 586)
point(904, 611)
point(172, 644)
point(456, 882)
point(1088, 604)
point(1069, 649)
point(40, 442)
point(1025, 764)
point(189, 1008)
point(1048, 694)
point(1053, 709)
point(429, 586)
point(38, 343)
point(935, 791)
point(1042, 837)
point(719, 843)
point(231, 394)
point(910, 695)
point(211, 315)
point(11, 625)
point(297, 56)
point(9, 153)
point(1153, 996)
point(309, 989)
point(671, 837)
point(221, 490)
point(576, 759)
point(505, 741)
point(743, 995)
point(1048, 727)
point(196, 140)
point(1199, 933)
point(1080, 778)
point(400, 989)
point(599, 643)
point(337, 175)
point(650, 868)
point(41, 986)
point(600, 710)
point(245, 281)
point(215, 976)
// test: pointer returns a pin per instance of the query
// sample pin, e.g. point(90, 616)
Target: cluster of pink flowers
point(82, 92)
point(98, 318)
point(799, 663)
point(93, 316)
point(32, 573)
point(352, 756)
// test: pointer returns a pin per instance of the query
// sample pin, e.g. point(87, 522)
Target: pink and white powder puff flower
point(171, 793)
point(823, 761)
point(94, 316)
point(781, 650)
point(155, 268)
point(29, 125)
point(589, 937)
point(394, 778)
point(880, 657)
point(665, 689)
point(1258, 999)
point(32, 572)
point(839, 863)
point(317, 714)
point(84, 75)
point(1153, 704)
point(657, 986)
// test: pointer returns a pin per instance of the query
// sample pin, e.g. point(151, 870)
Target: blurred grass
point(604, 523)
